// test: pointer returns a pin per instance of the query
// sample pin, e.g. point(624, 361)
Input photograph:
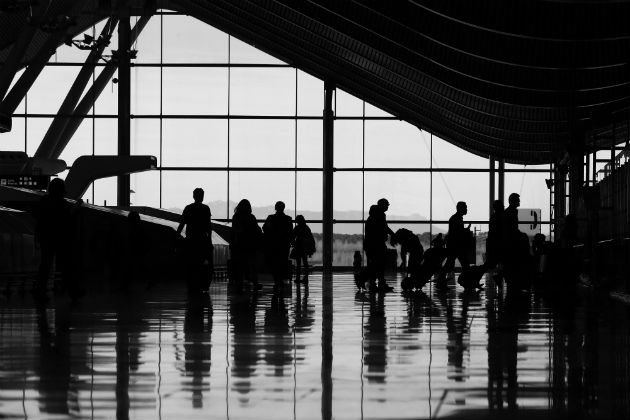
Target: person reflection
point(198, 347)
point(304, 312)
point(279, 343)
point(54, 361)
point(458, 335)
point(375, 342)
point(503, 322)
point(245, 356)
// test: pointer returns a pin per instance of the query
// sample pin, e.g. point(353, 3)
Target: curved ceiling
point(519, 80)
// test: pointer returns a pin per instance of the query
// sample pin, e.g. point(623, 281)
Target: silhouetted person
point(197, 345)
point(245, 242)
point(198, 243)
point(278, 230)
point(303, 247)
point(54, 232)
point(493, 242)
point(457, 242)
point(516, 253)
point(409, 246)
point(374, 244)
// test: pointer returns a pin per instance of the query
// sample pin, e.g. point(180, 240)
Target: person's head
point(300, 220)
point(133, 217)
point(383, 204)
point(497, 206)
point(243, 207)
point(438, 241)
point(279, 206)
point(399, 236)
point(57, 188)
point(198, 195)
point(462, 208)
point(514, 200)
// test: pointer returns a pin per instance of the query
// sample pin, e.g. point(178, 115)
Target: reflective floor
point(321, 351)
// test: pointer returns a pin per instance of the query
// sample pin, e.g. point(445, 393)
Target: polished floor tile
point(321, 351)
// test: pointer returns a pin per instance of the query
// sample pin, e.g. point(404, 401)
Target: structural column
point(501, 181)
point(124, 102)
point(576, 174)
point(327, 227)
point(491, 186)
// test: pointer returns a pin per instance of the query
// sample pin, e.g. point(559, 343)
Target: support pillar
point(93, 93)
point(559, 199)
point(327, 225)
point(576, 174)
point(501, 181)
point(491, 187)
point(48, 145)
point(124, 103)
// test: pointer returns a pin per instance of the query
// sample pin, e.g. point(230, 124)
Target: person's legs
point(446, 268)
point(298, 268)
point(45, 265)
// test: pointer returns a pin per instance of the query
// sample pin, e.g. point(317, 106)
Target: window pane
point(262, 143)
point(50, 89)
point(105, 193)
point(105, 136)
point(373, 111)
point(533, 191)
point(347, 238)
point(145, 90)
point(14, 139)
point(20, 108)
point(407, 193)
point(348, 149)
point(36, 128)
point(447, 155)
point(347, 105)
point(195, 91)
point(395, 144)
point(310, 95)
point(309, 195)
point(451, 187)
point(262, 189)
point(148, 43)
point(194, 142)
point(178, 186)
point(310, 143)
point(107, 101)
point(146, 187)
point(243, 53)
point(145, 137)
point(262, 91)
point(80, 144)
point(188, 40)
point(347, 195)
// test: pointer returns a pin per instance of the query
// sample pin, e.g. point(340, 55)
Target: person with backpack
point(303, 247)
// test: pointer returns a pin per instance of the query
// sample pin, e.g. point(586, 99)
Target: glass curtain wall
point(221, 115)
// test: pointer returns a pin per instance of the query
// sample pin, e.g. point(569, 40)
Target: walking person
point(457, 242)
point(198, 243)
point(278, 230)
point(303, 247)
point(245, 242)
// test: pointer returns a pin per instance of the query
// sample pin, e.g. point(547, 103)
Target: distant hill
point(219, 211)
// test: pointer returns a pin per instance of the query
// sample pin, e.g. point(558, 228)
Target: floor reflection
point(316, 351)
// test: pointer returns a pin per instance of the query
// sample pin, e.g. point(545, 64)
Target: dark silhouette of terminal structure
point(262, 297)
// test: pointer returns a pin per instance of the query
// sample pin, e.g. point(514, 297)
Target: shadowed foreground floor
point(321, 351)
